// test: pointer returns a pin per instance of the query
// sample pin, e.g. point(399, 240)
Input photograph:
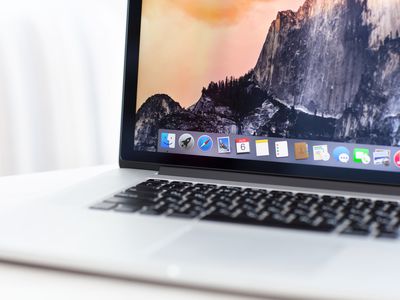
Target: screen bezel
point(153, 161)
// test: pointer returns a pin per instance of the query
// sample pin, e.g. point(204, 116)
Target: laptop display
point(312, 82)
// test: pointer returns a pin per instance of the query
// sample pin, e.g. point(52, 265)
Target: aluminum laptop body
point(295, 101)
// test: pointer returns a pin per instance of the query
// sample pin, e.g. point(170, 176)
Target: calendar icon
point(242, 145)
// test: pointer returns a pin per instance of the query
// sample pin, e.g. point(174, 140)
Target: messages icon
point(341, 154)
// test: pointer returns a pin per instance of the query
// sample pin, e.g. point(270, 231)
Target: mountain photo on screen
point(325, 70)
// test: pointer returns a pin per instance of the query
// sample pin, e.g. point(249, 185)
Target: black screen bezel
point(153, 161)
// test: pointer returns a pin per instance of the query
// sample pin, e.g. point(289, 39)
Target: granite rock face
point(148, 119)
point(374, 116)
point(315, 58)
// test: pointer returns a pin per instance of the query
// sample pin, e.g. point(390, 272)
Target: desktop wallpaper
point(324, 70)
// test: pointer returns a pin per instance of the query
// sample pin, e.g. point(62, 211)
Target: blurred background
point(61, 70)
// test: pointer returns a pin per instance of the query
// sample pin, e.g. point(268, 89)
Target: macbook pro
point(260, 155)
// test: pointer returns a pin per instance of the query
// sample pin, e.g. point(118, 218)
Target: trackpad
point(249, 250)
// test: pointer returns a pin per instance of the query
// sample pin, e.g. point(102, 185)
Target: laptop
point(259, 155)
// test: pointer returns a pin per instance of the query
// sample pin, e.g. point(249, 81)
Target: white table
point(22, 282)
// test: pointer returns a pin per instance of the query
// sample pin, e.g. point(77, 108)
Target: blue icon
point(205, 143)
point(168, 140)
point(342, 154)
point(224, 145)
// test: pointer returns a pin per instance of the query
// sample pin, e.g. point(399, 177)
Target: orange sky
point(185, 44)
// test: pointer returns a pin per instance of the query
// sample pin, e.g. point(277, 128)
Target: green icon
point(361, 156)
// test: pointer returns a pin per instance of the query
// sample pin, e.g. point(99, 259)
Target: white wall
point(61, 68)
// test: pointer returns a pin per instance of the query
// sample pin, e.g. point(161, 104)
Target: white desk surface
point(20, 282)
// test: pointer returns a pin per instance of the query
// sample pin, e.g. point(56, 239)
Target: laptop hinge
point(279, 180)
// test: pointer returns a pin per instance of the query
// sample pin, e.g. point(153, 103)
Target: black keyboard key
point(137, 195)
point(328, 224)
point(381, 217)
point(271, 209)
point(176, 187)
point(119, 200)
point(196, 208)
point(249, 193)
point(183, 215)
point(303, 206)
point(303, 196)
point(182, 183)
point(197, 195)
point(228, 218)
point(253, 215)
point(382, 220)
point(392, 203)
point(388, 235)
point(389, 232)
point(322, 227)
point(198, 202)
point(226, 191)
point(174, 194)
point(280, 194)
point(145, 193)
point(355, 218)
point(157, 181)
point(357, 229)
point(152, 185)
point(152, 211)
point(379, 204)
point(147, 188)
point(222, 204)
point(140, 202)
point(127, 195)
point(170, 199)
point(327, 198)
point(277, 218)
point(327, 215)
point(104, 206)
point(127, 208)
point(206, 186)
point(355, 211)
point(174, 206)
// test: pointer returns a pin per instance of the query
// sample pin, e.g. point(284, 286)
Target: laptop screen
point(312, 82)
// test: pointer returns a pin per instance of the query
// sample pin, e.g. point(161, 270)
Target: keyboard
point(259, 207)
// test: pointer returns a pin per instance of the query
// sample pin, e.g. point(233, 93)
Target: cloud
point(213, 12)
